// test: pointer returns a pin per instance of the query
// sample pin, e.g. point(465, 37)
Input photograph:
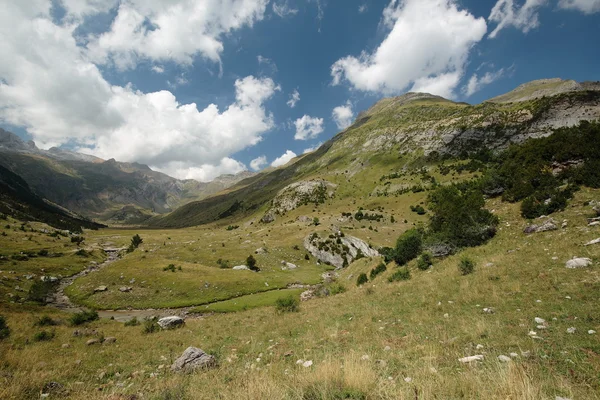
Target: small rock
point(193, 359)
point(513, 355)
point(479, 347)
point(408, 379)
point(260, 250)
point(241, 268)
point(591, 332)
point(595, 241)
point(387, 348)
point(548, 225)
point(307, 295)
point(92, 341)
point(571, 330)
point(578, 263)
point(125, 289)
point(446, 315)
point(307, 363)
point(101, 289)
point(66, 345)
point(488, 310)
point(504, 359)
point(539, 321)
point(365, 357)
point(470, 359)
point(171, 322)
point(110, 340)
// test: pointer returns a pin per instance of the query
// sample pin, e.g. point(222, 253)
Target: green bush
point(402, 274)
point(424, 261)
point(223, 264)
point(170, 267)
point(418, 209)
point(362, 279)
point(336, 288)
point(251, 263)
point(151, 325)
point(45, 321)
point(408, 246)
point(132, 322)
point(466, 266)
point(377, 270)
point(43, 336)
point(287, 304)
point(4, 329)
point(40, 290)
point(136, 240)
point(82, 317)
point(77, 240)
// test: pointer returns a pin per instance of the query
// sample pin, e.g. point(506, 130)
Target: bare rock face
point(171, 322)
point(193, 359)
point(338, 250)
point(297, 194)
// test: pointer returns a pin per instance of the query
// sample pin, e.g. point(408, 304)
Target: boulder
point(125, 289)
point(287, 266)
point(241, 268)
point(304, 192)
point(268, 217)
point(595, 241)
point(578, 263)
point(340, 251)
point(440, 250)
point(109, 340)
point(471, 359)
point(260, 250)
point(101, 289)
point(92, 341)
point(171, 322)
point(548, 225)
point(193, 359)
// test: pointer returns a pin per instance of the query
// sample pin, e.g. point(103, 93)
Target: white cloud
point(158, 69)
point(476, 83)
point(282, 9)
point(585, 6)
point(175, 30)
point(52, 90)
point(427, 48)
point(258, 163)
point(284, 159)
point(363, 8)
point(343, 115)
point(294, 98)
point(204, 172)
point(268, 65)
point(506, 14)
point(312, 148)
point(308, 127)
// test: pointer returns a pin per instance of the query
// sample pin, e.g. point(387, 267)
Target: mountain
point(18, 201)
point(407, 129)
point(111, 191)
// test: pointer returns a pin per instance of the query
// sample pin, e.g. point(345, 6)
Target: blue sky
point(199, 88)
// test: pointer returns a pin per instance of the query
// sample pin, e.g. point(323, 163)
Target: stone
point(539, 320)
point(171, 322)
point(316, 246)
point(479, 347)
point(471, 359)
point(260, 250)
point(594, 223)
point(125, 289)
point(307, 295)
point(109, 340)
point(92, 341)
point(595, 241)
point(307, 363)
point(571, 330)
point(387, 348)
point(241, 268)
point(578, 263)
point(504, 359)
point(288, 266)
point(488, 310)
point(193, 359)
point(591, 332)
point(548, 225)
point(268, 217)
point(101, 289)
point(513, 355)
point(66, 345)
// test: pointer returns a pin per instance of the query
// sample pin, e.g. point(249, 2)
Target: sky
point(199, 88)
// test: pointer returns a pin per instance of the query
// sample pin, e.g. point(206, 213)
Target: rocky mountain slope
point(110, 191)
point(408, 128)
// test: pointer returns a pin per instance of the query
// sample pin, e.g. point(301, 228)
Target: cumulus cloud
point(506, 14)
point(284, 159)
point(585, 6)
point(362, 8)
point(59, 96)
point(175, 30)
point(308, 127)
point(343, 115)
point(158, 69)
point(283, 9)
point(426, 49)
point(476, 83)
point(258, 163)
point(312, 148)
point(294, 98)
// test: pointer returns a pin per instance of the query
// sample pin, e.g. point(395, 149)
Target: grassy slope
point(337, 332)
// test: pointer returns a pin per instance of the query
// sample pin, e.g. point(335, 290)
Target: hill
point(400, 131)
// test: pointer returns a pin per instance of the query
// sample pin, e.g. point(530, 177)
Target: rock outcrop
point(548, 225)
point(299, 193)
point(171, 322)
point(193, 359)
point(337, 249)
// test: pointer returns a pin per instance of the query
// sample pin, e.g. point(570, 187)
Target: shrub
point(4, 329)
point(136, 240)
point(424, 261)
point(336, 288)
point(377, 270)
point(82, 253)
point(316, 221)
point(466, 266)
point(251, 263)
point(232, 227)
point(362, 279)
point(40, 290)
point(43, 336)
point(132, 322)
point(287, 304)
point(418, 209)
point(307, 257)
point(43, 253)
point(170, 267)
point(77, 240)
point(402, 274)
point(45, 321)
point(223, 264)
point(81, 318)
point(408, 246)
point(151, 325)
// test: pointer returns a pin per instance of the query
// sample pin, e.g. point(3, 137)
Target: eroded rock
point(193, 359)
point(548, 225)
point(171, 322)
